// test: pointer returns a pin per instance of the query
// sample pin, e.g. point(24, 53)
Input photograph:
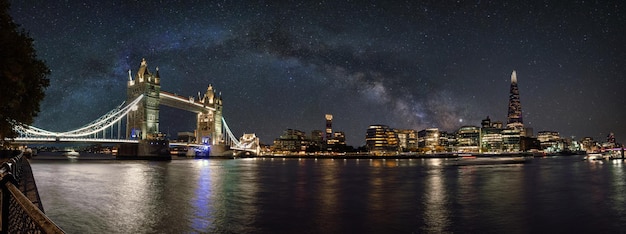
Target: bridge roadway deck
point(184, 103)
point(27, 184)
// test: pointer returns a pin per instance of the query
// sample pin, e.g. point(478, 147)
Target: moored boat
point(602, 156)
point(71, 154)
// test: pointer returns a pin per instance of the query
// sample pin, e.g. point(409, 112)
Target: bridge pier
point(151, 149)
point(220, 151)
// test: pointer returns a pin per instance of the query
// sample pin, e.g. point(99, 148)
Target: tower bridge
point(140, 116)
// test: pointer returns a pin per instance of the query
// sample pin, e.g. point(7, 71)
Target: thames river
point(263, 195)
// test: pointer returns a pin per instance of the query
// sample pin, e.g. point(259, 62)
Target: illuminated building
point(337, 142)
point(511, 137)
point(251, 140)
point(468, 139)
point(589, 144)
point(317, 140)
point(447, 142)
point(292, 140)
point(610, 141)
point(380, 140)
point(329, 126)
point(574, 146)
point(491, 140)
point(497, 124)
point(490, 136)
point(511, 140)
point(486, 123)
point(407, 140)
point(339, 138)
point(549, 141)
point(428, 139)
point(514, 117)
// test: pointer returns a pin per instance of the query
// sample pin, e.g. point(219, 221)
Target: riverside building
point(490, 136)
point(468, 139)
point(514, 117)
point(407, 140)
point(550, 141)
point(428, 140)
point(511, 137)
point(316, 142)
point(329, 126)
point(380, 140)
point(292, 141)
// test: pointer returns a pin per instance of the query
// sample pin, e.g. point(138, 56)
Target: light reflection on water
point(619, 189)
point(203, 203)
point(435, 211)
point(561, 194)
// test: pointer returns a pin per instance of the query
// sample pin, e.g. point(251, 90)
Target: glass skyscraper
point(514, 118)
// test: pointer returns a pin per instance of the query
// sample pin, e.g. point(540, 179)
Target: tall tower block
point(514, 118)
point(329, 127)
point(143, 121)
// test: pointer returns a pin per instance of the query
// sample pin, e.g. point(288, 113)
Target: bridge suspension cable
point(230, 134)
point(98, 125)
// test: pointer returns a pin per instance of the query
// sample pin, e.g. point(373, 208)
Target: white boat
point(598, 156)
point(71, 154)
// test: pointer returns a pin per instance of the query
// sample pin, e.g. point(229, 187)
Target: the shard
point(514, 118)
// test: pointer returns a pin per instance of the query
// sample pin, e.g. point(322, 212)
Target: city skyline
point(279, 66)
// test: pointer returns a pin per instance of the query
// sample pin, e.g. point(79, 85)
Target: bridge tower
point(209, 122)
point(143, 122)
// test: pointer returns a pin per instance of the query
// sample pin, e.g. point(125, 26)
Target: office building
point(291, 141)
point(428, 139)
point(381, 140)
point(468, 139)
point(329, 126)
point(407, 140)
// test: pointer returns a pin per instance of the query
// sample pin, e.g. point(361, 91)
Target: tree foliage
point(23, 77)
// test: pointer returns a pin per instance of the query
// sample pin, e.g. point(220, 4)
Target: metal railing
point(19, 214)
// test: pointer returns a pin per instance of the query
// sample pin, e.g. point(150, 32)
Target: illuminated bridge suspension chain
point(99, 125)
point(231, 139)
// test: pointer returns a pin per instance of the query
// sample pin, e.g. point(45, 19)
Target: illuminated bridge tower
point(514, 118)
point(143, 122)
point(209, 122)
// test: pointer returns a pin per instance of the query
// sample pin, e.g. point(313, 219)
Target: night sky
point(408, 65)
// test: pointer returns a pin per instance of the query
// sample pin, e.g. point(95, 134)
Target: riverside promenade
point(22, 210)
point(27, 184)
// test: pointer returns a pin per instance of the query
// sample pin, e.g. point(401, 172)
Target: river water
point(547, 195)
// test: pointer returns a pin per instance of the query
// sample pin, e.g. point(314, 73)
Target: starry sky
point(406, 64)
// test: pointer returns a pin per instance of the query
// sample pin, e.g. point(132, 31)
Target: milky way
point(278, 66)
